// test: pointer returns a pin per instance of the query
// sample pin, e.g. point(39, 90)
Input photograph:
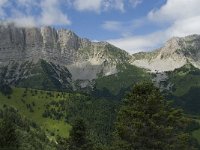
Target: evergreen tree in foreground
point(146, 122)
point(8, 136)
point(78, 137)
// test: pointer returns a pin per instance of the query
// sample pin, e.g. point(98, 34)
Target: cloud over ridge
point(182, 17)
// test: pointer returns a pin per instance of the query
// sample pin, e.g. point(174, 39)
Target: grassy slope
point(186, 86)
point(184, 79)
point(99, 114)
point(29, 135)
point(128, 76)
point(46, 77)
point(185, 92)
point(196, 134)
point(40, 99)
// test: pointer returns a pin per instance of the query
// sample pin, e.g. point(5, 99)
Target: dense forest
point(143, 119)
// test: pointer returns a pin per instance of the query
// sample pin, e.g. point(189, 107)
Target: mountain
point(57, 46)
point(176, 53)
point(59, 57)
point(50, 59)
point(57, 76)
point(176, 70)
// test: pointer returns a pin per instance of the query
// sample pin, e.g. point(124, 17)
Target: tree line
point(145, 121)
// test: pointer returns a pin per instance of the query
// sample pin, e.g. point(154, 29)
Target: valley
point(54, 77)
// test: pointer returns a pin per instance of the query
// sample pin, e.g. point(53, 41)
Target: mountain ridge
point(61, 47)
point(65, 48)
point(37, 57)
point(44, 40)
point(174, 54)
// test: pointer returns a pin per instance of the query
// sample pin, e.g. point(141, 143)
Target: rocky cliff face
point(71, 59)
point(176, 53)
point(84, 59)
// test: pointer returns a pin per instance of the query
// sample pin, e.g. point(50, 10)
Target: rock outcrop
point(176, 53)
point(84, 59)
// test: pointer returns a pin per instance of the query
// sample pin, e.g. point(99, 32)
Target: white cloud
point(136, 44)
point(102, 5)
point(23, 13)
point(51, 12)
point(175, 10)
point(26, 2)
point(185, 27)
point(2, 3)
point(25, 21)
point(119, 5)
point(52, 15)
point(82, 5)
point(112, 25)
point(135, 3)
point(123, 28)
point(182, 16)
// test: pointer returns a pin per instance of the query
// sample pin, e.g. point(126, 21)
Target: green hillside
point(116, 85)
point(196, 133)
point(184, 79)
point(41, 75)
point(186, 86)
point(27, 135)
point(31, 103)
point(54, 111)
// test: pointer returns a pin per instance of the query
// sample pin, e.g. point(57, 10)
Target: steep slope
point(28, 134)
point(40, 75)
point(55, 112)
point(32, 103)
point(50, 59)
point(176, 53)
point(58, 60)
point(176, 70)
point(185, 89)
point(69, 59)
point(114, 86)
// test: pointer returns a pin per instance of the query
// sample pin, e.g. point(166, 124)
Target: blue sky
point(133, 25)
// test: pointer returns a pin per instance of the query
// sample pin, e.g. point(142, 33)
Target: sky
point(132, 25)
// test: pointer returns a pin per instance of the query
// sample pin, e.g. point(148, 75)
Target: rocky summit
point(36, 57)
point(84, 59)
point(176, 53)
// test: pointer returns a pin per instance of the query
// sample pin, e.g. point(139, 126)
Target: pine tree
point(78, 137)
point(147, 122)
point(8, 136)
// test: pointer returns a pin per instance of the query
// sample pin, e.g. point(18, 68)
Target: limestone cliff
point(176, 53)
point(71, 59)
point(84, 59)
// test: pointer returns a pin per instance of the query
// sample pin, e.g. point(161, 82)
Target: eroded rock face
point(73, 62)
point(85, 59)
point(12, 43)
point(33, 43)
point(176, 53)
